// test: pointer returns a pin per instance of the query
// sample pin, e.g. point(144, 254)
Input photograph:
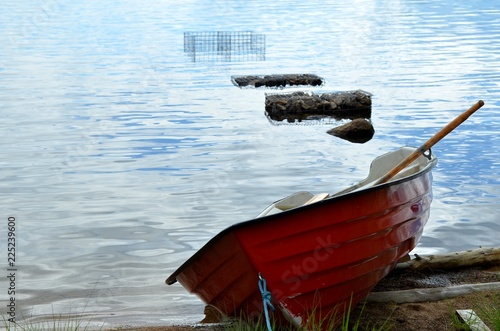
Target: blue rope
point(266, 300)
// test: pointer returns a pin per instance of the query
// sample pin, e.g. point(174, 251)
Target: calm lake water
point(123, 154)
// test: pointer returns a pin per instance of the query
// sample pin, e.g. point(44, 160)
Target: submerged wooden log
point(277, 81)
point(475, 257)
point(303, 105)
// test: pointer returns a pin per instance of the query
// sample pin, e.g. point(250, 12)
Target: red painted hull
point(316, 259)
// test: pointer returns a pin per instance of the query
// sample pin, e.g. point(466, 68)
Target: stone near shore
point(357, 131)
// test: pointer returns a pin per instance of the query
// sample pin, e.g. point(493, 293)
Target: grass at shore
point(72, 322)
point(490, 311)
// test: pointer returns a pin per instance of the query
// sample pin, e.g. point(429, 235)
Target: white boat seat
point(316, 198)
point(293, 201)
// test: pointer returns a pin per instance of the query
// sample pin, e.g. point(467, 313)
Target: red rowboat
point(319, 255)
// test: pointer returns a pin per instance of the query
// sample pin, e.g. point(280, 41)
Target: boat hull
point(318, 260)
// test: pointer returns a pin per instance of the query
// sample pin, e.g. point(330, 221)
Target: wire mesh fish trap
point(277, 81)
point(313, 108)
point(221, 46)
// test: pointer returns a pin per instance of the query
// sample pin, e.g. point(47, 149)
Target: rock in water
point(277, 81)
point(357, 131)
point(309, 105)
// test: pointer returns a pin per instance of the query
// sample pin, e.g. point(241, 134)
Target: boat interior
point(379, 167)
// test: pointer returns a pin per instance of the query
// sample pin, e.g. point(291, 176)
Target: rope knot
point(266, 296)
point(266, 300)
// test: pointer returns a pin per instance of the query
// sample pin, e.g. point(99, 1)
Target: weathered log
point(438, 277)
point(430, 294)
point(358, 131)
point(476, 257)
point(277, 81)
point(304, 105)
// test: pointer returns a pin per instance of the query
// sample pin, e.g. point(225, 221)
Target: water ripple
point(122, 156)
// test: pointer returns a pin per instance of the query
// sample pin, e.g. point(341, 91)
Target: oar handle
point(431, 142)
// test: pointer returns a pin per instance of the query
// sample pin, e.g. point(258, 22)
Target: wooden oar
point(431, 142)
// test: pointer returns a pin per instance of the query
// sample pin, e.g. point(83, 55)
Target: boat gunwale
point(172, 279)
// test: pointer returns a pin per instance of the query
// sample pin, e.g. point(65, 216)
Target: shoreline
point(408, 316)
point(423, 316)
